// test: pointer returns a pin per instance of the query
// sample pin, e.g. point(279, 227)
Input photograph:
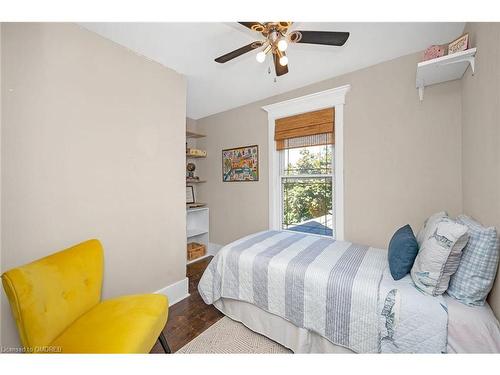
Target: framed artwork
point(189, 194)
point(458, 45)
point(240, 164)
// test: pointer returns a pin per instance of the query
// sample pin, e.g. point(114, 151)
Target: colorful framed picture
point(458, 45)
point(240, 164)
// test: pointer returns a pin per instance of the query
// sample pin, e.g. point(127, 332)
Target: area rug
point(228, 336)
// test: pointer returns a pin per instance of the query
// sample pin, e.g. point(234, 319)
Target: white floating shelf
point(195, 209)
point(195, 156)
point(194, 135)
point(443, 69)
point(196, 232)
point(198, 259)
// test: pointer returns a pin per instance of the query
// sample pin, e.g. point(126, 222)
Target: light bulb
point(261, 56)
point(282, 45)
point(283, 60)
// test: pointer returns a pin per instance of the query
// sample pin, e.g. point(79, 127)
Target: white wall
point(92, 146)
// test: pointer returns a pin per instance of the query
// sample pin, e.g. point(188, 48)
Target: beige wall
point(236, 208)
point(190, 124)
point(402, 156)
point(92, 146)
point(481, 133)
point(1, 298)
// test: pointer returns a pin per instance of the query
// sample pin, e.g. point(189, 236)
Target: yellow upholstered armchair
point(56, 302)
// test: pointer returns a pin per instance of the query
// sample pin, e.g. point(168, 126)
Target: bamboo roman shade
point(307, 129)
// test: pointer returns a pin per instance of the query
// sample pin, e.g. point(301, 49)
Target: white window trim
point(324, 99)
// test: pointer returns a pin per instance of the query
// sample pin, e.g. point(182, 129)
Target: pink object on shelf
point(433, 52)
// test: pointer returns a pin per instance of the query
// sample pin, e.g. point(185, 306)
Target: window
point(306, 189)
point(305, 146)
point(334, 99)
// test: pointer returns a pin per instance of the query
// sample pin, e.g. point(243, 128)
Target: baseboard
point(176, 292)
point(213, 248)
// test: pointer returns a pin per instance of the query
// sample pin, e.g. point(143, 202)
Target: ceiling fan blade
point(280, 70)
point(329, 38)
point(238, 52)
point(255, 26)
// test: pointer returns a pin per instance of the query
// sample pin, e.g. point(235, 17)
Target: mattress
point(299, 340)
point(470, 329)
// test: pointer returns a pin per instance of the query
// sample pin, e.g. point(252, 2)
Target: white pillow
point(428, 227)
point(439, 255)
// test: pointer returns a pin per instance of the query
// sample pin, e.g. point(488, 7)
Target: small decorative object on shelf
point(189, 195)
point(459, 44)
point(195, 250)
point(433, 52)
point(190, 167)
point(193, 152)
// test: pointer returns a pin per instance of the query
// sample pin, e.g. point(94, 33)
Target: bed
point(313, 294)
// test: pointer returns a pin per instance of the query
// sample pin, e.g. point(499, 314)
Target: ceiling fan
point(276, 41)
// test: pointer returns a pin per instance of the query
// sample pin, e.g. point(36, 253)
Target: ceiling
point(190, 49)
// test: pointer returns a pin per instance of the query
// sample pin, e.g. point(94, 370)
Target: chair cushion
point(403, 249)
point(49, 294)
point(129, 324)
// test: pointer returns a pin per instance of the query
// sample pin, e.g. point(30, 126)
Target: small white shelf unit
point(443, 69)
point(197, 228)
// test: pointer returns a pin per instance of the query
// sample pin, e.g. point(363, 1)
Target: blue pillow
point(403, 250)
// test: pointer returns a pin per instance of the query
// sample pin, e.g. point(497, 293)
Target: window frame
point(325, 99)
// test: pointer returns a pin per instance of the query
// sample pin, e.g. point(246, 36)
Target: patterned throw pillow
point(439, 255)
point(477, 270)
point(428, 227)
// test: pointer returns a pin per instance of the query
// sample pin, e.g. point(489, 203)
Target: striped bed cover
point(326, 286)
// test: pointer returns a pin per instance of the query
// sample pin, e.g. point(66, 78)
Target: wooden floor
point(190, 317)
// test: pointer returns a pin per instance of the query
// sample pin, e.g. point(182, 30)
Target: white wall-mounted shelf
point(198, 259)
point(190, 134)
point(195, 232)
point(443, 69)
point(194, 209)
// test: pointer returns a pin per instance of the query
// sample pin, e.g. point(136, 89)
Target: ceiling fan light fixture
point(282, 45)
point(261, 56)
point(275, 38)
point(283, 60)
